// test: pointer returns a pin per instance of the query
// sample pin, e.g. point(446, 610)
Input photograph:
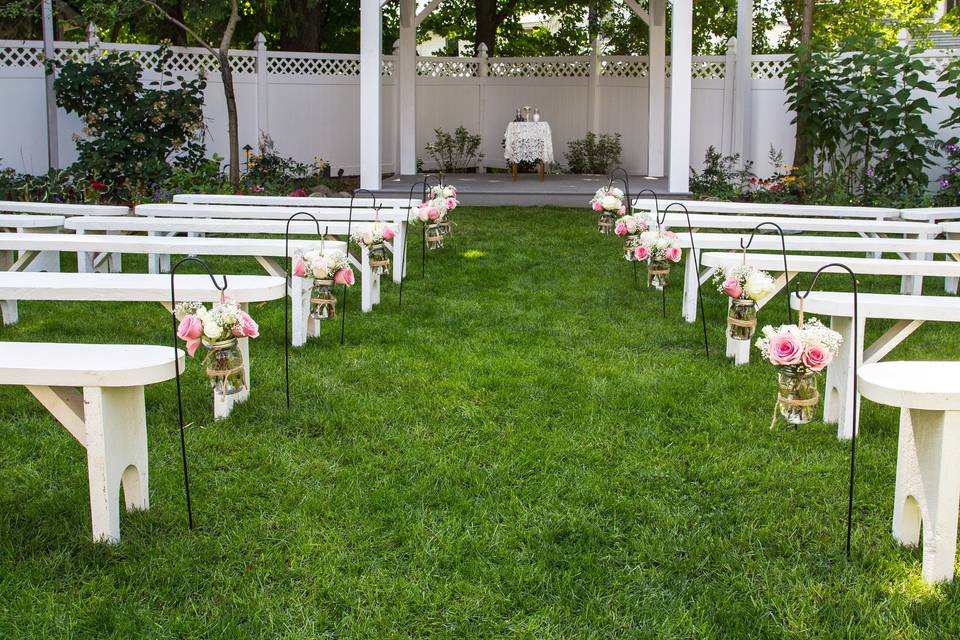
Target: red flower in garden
point(299, 192)
point(96, 185)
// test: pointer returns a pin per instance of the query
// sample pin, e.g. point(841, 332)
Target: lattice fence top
point(938, 61)
point(708, 69)
point(539, 68)
point(448, 67)
point(294, 65)
point(768, 68)
point(22, 57)
point(626, 67)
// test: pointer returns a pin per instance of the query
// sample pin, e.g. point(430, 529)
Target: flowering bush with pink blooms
point(222, 321)
point(807, 347)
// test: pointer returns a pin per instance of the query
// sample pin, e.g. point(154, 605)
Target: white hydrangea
point(758, 285)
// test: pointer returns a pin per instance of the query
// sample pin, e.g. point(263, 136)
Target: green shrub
point(721, 176)
point(594, 153)
point(132, 134)
point(454, 153)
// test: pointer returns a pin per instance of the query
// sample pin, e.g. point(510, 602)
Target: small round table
point(528, 142)
point(928, 455)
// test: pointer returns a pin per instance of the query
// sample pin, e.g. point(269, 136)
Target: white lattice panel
point(548, 68)
point(453, 68)
point(386, 68)
point(707, 70)
point(21, 57)
point(638, 68)
point(939, 62)
point(768, 69)
point(302, 66)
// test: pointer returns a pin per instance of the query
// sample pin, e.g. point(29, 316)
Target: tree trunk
point(306, 32)
point(226, 74)
point(801, 154)
point(487, 23)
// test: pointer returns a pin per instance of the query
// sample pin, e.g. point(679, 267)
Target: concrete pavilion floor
point(497, 189)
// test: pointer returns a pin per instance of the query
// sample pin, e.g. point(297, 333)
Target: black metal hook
point(625, 180)
point(696, 270)
point(854, 409)
point(176, 368)
point(656, 204)
point(286, 305)
point(783, 249)
point(343, 315)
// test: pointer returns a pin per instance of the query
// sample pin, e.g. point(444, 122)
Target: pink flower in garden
point(597, 206)
point(190, 331)
point(299, 192)
point(641, 253)
point(673, 254)
point(257, 189)
point(246, 327)
point(620, 229)
point(299, 268)
point(785, 349)
point(388, 233)
point(816, 357)
point(732, 287)
point(344, 276)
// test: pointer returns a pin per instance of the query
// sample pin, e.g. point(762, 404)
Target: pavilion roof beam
point(427, 10)
point(637, 9)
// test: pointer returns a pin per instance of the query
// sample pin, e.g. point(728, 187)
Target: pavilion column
point(681, 54)
point(743, 81)
point(370, 94)
point(407, 87)
point(657, 93)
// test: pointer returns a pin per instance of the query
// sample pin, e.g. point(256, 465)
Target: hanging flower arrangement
point(434, 213)
point(629, 227)
point(608, 202)
point(659, 249)
point(327, 268)
point(745, 286)
point(217, 329)
point(373, 237)
point(799, 352)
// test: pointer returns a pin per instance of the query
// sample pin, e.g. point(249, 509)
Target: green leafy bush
point(594, 153)
point(132, 134)
point(721, 176)
point(454, 153)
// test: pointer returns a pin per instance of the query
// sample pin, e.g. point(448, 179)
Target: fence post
point(729, 81)
point(263, 101)
point(93, 41)
point(483, 70)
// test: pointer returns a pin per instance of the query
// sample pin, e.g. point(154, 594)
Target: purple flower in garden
point(944, 183)
point(870, 172)
point(57, 199)
point(952, 147)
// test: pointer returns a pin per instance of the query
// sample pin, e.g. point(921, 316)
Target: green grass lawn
point(527, 450)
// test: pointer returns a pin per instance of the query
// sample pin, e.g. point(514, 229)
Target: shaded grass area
point(526, 450)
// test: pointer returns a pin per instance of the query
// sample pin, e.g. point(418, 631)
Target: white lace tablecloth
point(529, 142)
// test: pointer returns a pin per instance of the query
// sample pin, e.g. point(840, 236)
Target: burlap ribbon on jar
point(793, 402)
point(653, 272)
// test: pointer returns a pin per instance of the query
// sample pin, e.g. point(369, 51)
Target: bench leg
point(838, 389)
point(223, 405)
point(691, 273)
point(302, 325)
point(8, 309)
point(366, 281)
point(928, 488)
point(950, 285)
point(116, 442)
point(375, 294)
point(399, 268)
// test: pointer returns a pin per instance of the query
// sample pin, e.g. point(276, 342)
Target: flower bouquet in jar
point(608, 202)
point(444, 198)
point(217, 329)
point(328, 268)
point(629, 227)
point(799, 352)
point(373, 237)
point(659, 249)
point(745, 286)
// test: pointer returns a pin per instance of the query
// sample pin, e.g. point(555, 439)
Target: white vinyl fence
point(309, 103)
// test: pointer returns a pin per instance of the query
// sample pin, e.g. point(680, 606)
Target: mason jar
point(434, 236)
point(741, 319)
point(605, 225)
point(797, 395)
point(379, 262)
point(225, 367)
point(658, 274)
point(323, 300)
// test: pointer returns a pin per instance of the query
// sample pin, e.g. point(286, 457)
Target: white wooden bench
point(137, 287)
point(289, 201)
point(198, 227)
point(927, 489)
point(770, 209)
point(931, 214)
point(29, 223)
point(910, 312)
point(108, 417)
point(62, 209)
point(952, 232)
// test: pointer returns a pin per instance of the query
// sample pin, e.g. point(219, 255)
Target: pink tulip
point(247, 327)
point(641, 253)
point(344, 276)
point(732, 288)
point(597, 206)
point(620, 229)
point(190, 331)
point(816, 357)
point(388, 233)
point(299, 268)
point(673, 254)
point(785, 349)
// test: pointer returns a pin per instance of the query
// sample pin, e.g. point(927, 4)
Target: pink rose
point(622, 211)
point(246, 327)
point(451, 204)
point(816, 357)
point(299, 268)
point(433, 213)
point(190, 331)
point(673, 254)
point(620, 229)
point(732, 288)
point(670, 234)
point(641, 253)
point(597, 206)
point(344, 276)
point(785, 349)
point(423, 212)
point(388, 233)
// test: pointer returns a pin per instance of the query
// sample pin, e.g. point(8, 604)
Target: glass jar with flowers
point(328, 268)
point(608, 202)
point(217, 329)
point(745, 286)
point(659, 249)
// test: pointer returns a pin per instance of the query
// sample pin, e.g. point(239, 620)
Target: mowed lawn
point(527, 449)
